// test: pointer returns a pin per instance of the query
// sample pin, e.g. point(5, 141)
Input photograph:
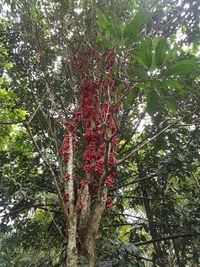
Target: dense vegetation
point(99, 133)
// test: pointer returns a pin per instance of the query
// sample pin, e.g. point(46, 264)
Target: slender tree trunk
point(90, 255)
point(72, 253)
point(94, 227)
point(91, 229)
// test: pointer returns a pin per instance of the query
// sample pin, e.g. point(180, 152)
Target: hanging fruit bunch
point(96, 112)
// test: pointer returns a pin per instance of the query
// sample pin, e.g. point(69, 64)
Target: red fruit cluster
point(76, 114)
point(108, 84)
point(89, 154)
point(79, 206)
point(81, 59)
point(111, 160)
point(95, 187)
point(109, 180)
point(115, 140)
point(66, 197)
point(98, 168)
point(64, 149)
point(96, 113)
point(83, 183)
point(108, 60)
point(71, 126)
point(109, 203)
point(98, 123)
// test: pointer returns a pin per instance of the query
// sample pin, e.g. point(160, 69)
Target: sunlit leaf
point(160, 52)
point(184, 67)
point(136, 25)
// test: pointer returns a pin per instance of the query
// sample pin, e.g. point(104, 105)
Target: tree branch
point(52, 174)
point(133, 182)
point(11, 122)
point(163, 238)
point(146, 142)
point(25, 207)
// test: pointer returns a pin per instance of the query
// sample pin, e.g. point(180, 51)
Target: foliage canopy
point(155, 216)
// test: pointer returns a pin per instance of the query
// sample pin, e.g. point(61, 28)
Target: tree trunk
point(91, 252)
point(90, 233)
point(72, 253)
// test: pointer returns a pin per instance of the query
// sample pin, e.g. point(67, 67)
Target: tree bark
point(94, 226)
point(72, 253)
point(91, 229)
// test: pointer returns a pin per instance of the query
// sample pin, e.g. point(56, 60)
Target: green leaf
point(172, 104)
point(138, 72)
point(145, 55)
point(152, 101)
point(184, 67)
point(136, 25)
point(129, 99)
point(111, 17)
point(174, 85)
point(160, 52)
point(101, 19)
point(108, 24)
point(103, 42)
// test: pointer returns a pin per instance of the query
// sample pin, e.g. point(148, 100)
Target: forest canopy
point(99, 133)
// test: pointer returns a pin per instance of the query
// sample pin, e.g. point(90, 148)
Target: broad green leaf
point(152, 101)
point(145, 55)
point(160, 52)
point(101, 20)
point(174, 85)
point(172, 104)
point(103, 42)
point(108, 24)
point(129, 99)
point(138, 72)
point(184, 67)
point(136, 25)
point(111, 17)
point(165, 93)
point(145, 85)
point(162, 88)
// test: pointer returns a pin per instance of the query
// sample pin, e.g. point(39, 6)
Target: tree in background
point(100, 122)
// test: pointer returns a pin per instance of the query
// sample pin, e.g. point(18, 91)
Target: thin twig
point(57, 227)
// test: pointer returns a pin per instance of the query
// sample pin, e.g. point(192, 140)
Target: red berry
point(109, 203)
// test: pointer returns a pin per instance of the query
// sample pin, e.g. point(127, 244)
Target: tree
point(86, 79)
